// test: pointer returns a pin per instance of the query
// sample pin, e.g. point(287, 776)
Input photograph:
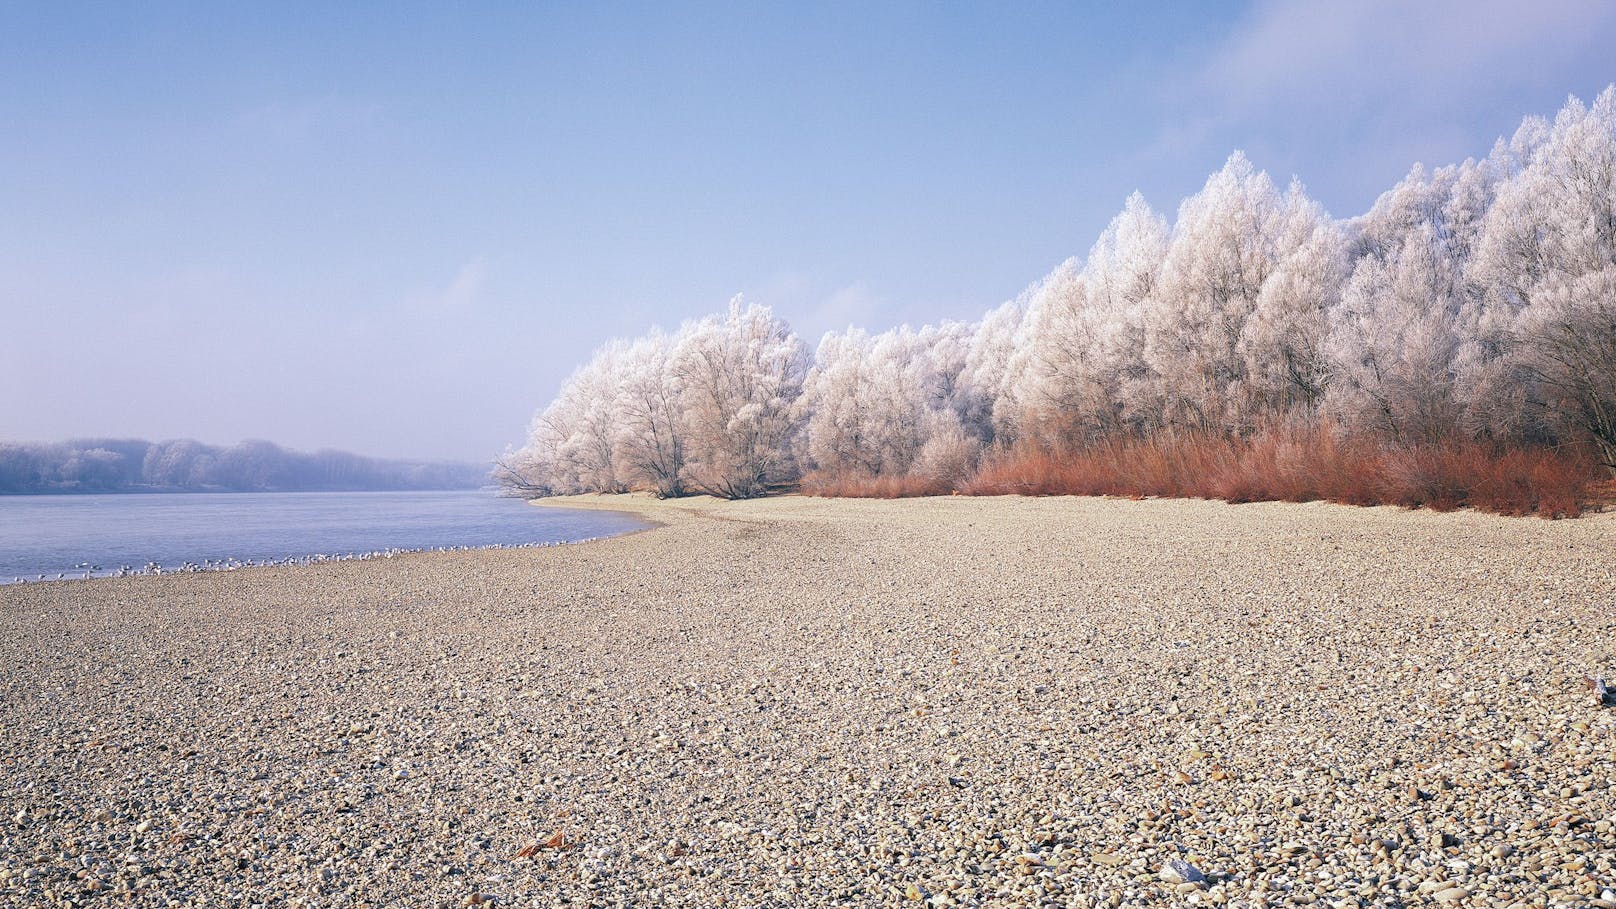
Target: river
point(42, 537)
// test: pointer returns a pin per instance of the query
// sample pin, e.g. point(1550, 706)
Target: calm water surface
point(72, 534)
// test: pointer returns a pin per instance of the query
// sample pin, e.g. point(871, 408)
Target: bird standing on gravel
point(1599, 688)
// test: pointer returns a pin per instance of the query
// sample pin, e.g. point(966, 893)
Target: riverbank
point(792, 701)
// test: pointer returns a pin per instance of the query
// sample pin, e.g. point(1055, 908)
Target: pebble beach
point(812, 702)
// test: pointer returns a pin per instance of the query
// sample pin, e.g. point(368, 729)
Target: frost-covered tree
point(571, 445)
point(1405, 344)
point(949, 454)
point(988, 384)
point(832, 400)
point(1393, 343)
point(872, 404)
point(1547, 250)
point(904, 387)
point(1555, 217)
point(1281, 344)
point(948, 348)
point(1123, 270)
point(649, 416)
point(1222, 251)
point(1567, 348)
point(526, 471)
point(1081, 369)
point(740, 375)
point(1054, 378)
point(178, 463)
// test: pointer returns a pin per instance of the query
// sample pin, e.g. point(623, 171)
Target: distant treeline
point(135, 465)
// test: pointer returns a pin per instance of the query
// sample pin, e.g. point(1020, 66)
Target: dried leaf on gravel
point(557, 840)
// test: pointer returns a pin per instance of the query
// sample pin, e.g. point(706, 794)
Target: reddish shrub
point(1300, 464)
point(1548, 483)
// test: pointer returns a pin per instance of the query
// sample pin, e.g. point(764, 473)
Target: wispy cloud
point(1367, 51)
point(460, 294)
point(855, 304)
point(467, 284)
point(1348, 95)
point(815, 306)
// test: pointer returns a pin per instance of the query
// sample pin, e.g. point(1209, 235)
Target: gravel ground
point(799, 702)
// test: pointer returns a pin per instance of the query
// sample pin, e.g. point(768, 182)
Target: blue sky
point(395, 228)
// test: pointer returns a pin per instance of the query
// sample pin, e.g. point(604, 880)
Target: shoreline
point(803, 702)
point(583, 503)
point(153, 569)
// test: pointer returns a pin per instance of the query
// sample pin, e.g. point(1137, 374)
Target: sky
point(395, 228)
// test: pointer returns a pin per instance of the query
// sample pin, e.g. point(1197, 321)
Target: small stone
point(1452, 895)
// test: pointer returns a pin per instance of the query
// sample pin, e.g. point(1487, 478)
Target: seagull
point(1602, 693)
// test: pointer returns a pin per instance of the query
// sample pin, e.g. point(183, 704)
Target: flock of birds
point(87, 570)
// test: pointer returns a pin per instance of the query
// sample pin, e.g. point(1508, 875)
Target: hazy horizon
point(397, 234)
point(230, 443)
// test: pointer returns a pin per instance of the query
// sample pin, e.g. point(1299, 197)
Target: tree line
point(126, 465)
point(1472, 304)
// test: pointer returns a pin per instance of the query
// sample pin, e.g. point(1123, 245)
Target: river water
point(72, 535)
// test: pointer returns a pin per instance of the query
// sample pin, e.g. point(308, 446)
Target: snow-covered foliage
point(1473, 302)
point(872, 403)
point(738, 378)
